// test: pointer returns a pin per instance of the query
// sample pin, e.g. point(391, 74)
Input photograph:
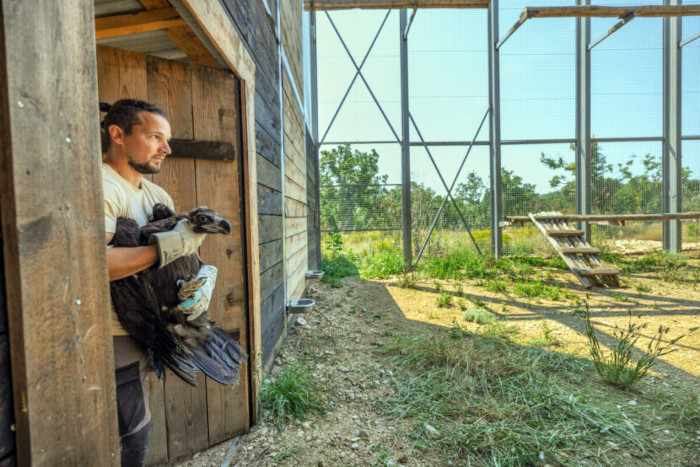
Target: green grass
point(498, 404)
point(292, 392)
point(337, 268)
point(536, 290)
point(383, 264)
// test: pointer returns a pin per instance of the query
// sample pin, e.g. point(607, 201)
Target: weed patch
point(293, 392)
point(478, 315)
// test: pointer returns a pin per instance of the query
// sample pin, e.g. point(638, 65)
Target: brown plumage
point(147, 304)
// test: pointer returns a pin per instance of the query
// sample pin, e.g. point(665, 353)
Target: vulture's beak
point(221, 226)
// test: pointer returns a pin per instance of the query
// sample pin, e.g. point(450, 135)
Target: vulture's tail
point(221, 359)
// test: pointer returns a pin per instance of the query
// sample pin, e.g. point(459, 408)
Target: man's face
point(147, 145)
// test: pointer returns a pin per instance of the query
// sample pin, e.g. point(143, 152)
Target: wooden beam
point(610, 11)
point(607, 217)
point(53, 236)
point(121, 25)
point(392, 4)
point(185, 38)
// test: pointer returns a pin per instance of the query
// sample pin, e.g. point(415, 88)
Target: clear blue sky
point(448, 83)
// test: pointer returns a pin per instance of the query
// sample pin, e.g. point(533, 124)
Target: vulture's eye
point(202, 219)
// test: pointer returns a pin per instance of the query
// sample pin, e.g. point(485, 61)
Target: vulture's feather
point(147, 304)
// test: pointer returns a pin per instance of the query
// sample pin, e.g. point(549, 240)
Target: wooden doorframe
point(217, 26)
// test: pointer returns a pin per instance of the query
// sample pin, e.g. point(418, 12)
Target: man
point(135, 137)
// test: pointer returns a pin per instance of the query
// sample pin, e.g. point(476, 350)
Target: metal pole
point(583, 119)
point(495, 131)
point(671, 158)
point(405, 147)
point(314, 135)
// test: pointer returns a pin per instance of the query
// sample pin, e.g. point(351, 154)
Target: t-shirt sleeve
point(112, 207)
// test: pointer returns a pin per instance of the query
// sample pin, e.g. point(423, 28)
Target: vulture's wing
point(137, 309)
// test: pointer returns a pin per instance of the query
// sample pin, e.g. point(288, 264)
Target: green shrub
point(383, 264)
point(292, 392)
point(478, 315)
point(619, 366)
point(336, 268)
point(444, 300)
point(497, 285)
point(457, 265)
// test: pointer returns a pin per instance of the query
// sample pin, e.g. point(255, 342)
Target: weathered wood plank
point(55, 262)
point(392, 4)
point(7, 416)
point(290, 12)
point(269, 175)
point(608, 217)
point(270, 254)
point(294, 226)
point(250, 177)
point(269, 201)
point(121, 75)
point(610, 11)
point(270, 228)
point(169, 86)
point(296, 242)
point(294, 208)
point(294, 191)
point(217, 118)
point(132, 23)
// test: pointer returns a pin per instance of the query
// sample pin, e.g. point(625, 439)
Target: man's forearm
point(124, 262)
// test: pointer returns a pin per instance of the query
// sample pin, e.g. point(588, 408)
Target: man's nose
point(165, 148)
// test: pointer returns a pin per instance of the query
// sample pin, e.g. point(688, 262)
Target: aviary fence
point(559, 115)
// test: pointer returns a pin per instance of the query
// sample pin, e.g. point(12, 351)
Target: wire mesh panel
point(538, 75)
point(449, 221)
point(691, 188)
point(627, 77)
point(535, 178)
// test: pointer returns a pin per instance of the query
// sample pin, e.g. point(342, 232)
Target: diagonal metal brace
point(398, 140)
point(449, 190)
point(357, 73)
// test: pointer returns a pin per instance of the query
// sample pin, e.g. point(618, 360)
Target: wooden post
point(53, 231)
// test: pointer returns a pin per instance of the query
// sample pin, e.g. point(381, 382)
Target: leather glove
point(179, 242)
point(199, 291)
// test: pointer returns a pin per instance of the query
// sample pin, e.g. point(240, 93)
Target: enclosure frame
point(672, 138)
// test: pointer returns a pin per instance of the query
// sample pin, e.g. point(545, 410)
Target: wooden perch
point(609, 11)
point(606, 217)
point(392, 4)
point(121, 25)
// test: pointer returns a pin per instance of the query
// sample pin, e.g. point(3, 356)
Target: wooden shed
point(230, 75)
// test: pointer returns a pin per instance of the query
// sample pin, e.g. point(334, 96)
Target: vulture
point(147, 303)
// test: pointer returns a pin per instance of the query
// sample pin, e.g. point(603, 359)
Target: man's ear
point(116, 133)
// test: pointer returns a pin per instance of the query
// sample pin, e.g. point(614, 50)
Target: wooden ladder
point(583, 260)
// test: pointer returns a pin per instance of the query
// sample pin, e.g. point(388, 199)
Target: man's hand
point(179, 242)
point(196, 294)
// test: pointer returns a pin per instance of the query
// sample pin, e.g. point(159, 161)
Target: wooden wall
point(258, 32)
point(7, 417)
point(313, 224)
point(55, 267)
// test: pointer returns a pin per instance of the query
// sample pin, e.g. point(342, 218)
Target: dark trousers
point(131, 374)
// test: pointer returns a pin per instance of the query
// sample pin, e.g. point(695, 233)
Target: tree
point(350, 187)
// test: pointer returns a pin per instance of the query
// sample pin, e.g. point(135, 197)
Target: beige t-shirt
point(122, 199)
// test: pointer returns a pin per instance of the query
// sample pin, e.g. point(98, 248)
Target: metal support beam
point(687, 41)
point(671, 157)
point(314, 134)
point(583, 119)
point(495, 131)
point(358, 70)
point(410, 22)
point(625, 19)
point(405, 147)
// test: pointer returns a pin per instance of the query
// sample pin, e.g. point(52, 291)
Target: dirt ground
point(340, 338)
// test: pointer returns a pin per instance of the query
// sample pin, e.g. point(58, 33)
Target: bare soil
point(340, 338)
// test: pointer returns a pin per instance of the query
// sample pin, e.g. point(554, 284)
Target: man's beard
point(145, 168)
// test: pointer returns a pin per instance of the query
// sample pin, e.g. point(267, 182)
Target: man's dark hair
point(125, 114)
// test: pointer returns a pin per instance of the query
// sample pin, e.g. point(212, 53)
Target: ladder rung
point(598, 272)
point(546, 218)
point(565, 233)
point(580, 251)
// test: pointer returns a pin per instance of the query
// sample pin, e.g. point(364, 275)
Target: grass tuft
point(478, 315)
point(292, 392)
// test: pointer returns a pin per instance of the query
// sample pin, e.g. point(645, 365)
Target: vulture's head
point(204, 220)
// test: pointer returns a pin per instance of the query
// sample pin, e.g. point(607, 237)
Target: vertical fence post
point(495, 131)
point(314, 130)
point(405, 146)
point(671, 158)
point(583, 120)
